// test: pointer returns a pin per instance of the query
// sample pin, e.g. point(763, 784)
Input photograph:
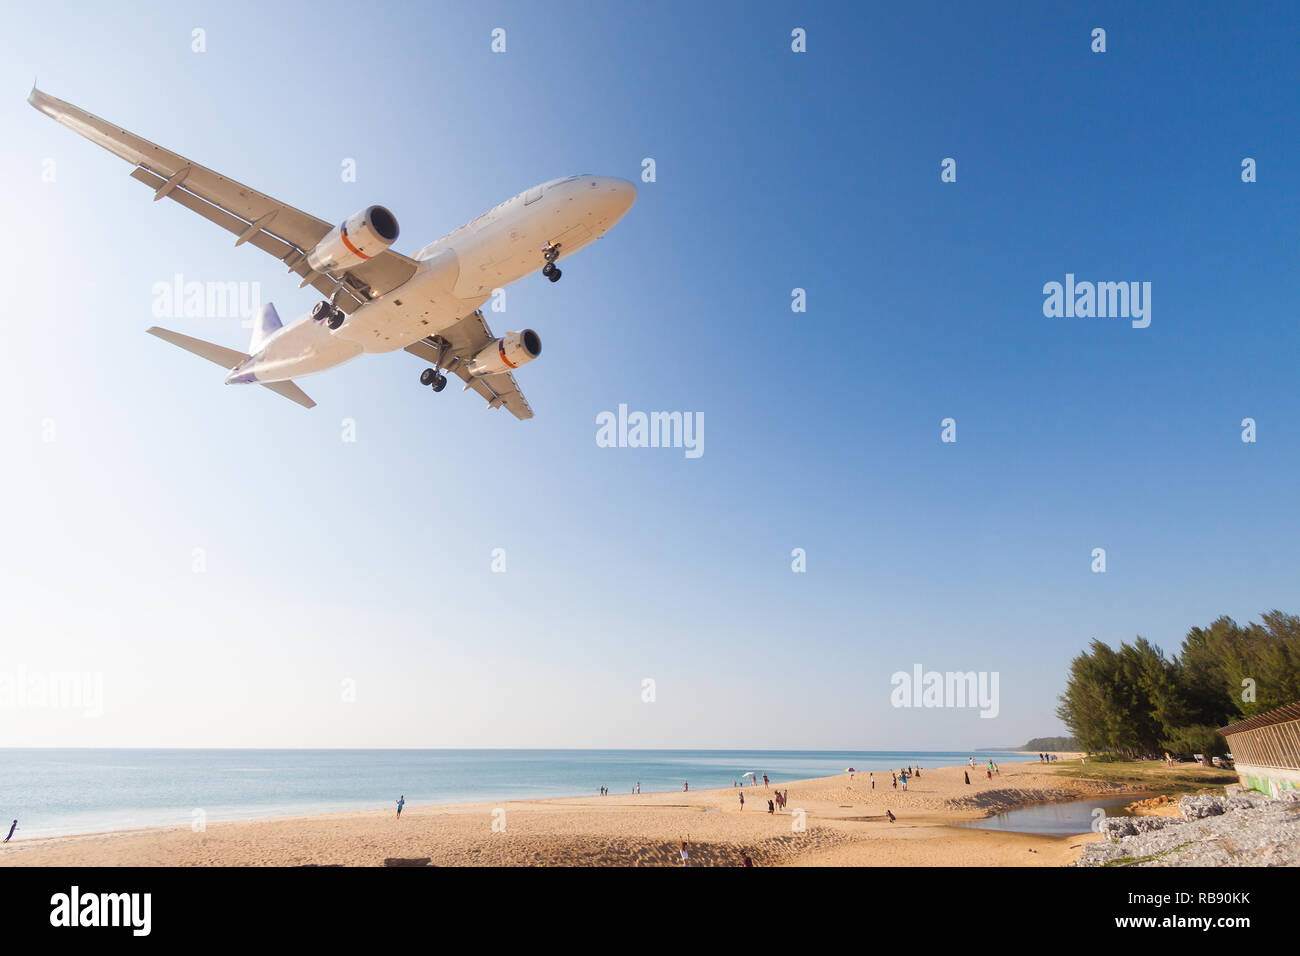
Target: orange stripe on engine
point(343, 232)
point(501, 348)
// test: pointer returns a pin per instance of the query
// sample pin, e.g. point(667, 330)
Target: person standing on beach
point(764, 781)
point(401, 802)
point(873, 781)
point(11, 831)
point(770, 808)
point(638, 788)
point(742, 800)
point(903, 777)
point(686, 855)
point(893, 777)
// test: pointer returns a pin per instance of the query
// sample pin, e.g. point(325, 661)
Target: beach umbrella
point(749, 773)
point(849, 770)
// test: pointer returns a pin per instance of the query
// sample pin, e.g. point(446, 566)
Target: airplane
point(377, 300)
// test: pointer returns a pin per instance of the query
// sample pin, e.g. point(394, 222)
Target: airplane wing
point(285, 232)
point(462, 342)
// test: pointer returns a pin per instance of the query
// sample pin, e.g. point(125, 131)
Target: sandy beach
point(845, 825)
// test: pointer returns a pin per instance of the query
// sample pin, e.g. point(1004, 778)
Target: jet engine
point(361, 237)
point(508, 352)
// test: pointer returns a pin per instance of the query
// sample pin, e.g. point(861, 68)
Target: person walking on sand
point(873, 781)
point(742, 800)
point(401, 802)
point(12, 828)
point(903, 777)
point(771, 809)
point(686, 855)
point(893, 777)
point(764, 781)
point(638, 788)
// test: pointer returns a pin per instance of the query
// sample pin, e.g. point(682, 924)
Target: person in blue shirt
point(401, 802)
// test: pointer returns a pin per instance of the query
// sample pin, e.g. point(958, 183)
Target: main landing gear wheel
point(439, 382)
point(327, 313)
point(555, 274)
point(433, 378)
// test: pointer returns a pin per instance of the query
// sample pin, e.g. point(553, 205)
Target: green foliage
point(1052, 744)
point(1137, 701)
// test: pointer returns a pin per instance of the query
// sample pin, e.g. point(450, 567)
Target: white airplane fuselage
point(456, 275)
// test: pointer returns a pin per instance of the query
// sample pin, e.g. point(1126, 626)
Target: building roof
point(1281, 714)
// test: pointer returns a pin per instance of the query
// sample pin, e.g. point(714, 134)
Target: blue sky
point(370, 561)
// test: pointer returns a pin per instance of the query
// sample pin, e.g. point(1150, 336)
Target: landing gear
point(433, 378)
point(551, 253)
point(328, 313)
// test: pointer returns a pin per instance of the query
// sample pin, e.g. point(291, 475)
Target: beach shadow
point(414, 861)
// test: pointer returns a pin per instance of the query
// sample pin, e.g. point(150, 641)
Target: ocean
point(64, 791)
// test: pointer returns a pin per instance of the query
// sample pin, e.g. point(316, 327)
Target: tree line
point(1137, 701)
point(1052, 745)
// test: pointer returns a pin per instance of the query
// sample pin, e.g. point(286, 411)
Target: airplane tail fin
point(265, 323)
point(231, 358)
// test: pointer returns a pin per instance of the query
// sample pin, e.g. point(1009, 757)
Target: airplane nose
point(617, 194)
point(626, 193)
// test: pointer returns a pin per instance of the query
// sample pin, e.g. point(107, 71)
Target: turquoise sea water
point(54, 792)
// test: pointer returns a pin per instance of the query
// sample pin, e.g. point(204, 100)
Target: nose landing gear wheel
point(550, 253)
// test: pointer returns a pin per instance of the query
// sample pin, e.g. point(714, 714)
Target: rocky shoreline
point(1240, 828)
